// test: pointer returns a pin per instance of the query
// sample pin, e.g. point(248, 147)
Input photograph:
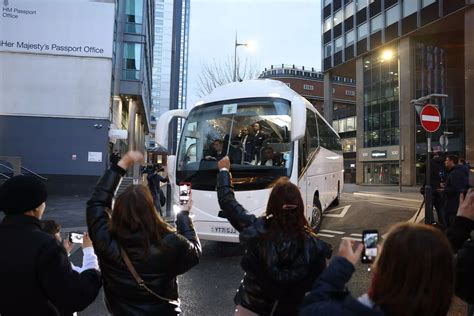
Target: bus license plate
point(223, 230)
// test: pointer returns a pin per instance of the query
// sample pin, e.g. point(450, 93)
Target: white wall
point(55, 86)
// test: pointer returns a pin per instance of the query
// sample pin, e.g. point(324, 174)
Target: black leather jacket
point(178, 253)
point(278, 271)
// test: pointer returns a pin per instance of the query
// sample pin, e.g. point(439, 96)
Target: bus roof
point(250, 89)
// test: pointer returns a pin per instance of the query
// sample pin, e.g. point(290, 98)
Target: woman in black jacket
point(283, 256)
point(156, 251)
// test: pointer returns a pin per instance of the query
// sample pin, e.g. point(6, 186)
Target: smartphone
point(184, 193)
point(76, 238)
point(370, 239)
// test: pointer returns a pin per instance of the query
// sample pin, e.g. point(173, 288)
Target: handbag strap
point(141, 282)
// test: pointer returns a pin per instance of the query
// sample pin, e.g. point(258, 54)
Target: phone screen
point(76, 238)
point(184, 193)
point(370, 240)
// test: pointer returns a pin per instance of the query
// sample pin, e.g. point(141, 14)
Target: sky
point(285, 32)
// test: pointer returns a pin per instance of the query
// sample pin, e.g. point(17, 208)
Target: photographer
point(400, 285)
point(140, 255)
point(36, 277)
point(283, 255)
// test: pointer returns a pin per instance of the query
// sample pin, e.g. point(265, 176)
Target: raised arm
point(100, 204)
point(235, 213)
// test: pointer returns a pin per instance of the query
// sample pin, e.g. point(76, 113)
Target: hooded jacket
point(176, 254)
point(278, 270)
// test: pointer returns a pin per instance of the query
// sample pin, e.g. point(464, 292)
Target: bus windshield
point(254, 133)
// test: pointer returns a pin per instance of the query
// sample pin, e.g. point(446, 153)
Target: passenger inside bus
point(269, 158)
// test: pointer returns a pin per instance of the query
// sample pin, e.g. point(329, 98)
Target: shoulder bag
point(141, 282)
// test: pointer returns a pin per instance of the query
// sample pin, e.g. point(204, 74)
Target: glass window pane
point(409, 7)
point(327, 50)
point(338, 17)
point(428, 2)
point(349, 10)
point(327, 25)
point(362, 31)
point(392, 15)
point(338, 44)
point(361, 4)
point(349, 38)
point(134, 11)
point(326, 2)
point(376, 23)
point(350, 124)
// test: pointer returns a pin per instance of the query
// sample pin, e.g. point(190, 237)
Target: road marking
point(386, 197)
point(332, 231)
point(340, 215)
point(326, 235)
point(393, 205)
point(356, 235)
point(353, 239)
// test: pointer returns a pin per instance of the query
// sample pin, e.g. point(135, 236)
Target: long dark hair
point(285, 210)
point(134, 212)
point(414, 274)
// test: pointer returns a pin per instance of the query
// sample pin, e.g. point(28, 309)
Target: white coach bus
point(293, 140)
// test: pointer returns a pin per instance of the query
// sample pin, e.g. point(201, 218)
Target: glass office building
point(400, 50)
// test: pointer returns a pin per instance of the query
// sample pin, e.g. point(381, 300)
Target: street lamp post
point(250, 45)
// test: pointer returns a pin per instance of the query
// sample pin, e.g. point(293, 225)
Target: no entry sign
point(430, 118)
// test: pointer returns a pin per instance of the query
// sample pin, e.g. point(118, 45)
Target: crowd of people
point(136, 256)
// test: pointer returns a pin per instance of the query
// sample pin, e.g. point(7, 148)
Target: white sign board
point(118, 134)
point(58, 27)
point(94, 156)
point(229, 109)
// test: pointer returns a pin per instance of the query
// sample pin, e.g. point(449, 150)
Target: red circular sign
point(430, 118)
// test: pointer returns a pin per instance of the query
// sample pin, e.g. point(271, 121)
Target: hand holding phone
point(76, 238)
point(370, 239)
point(184, 193)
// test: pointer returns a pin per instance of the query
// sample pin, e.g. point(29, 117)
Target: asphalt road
point(209, 288)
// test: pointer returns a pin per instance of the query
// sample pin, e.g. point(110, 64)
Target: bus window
point(311, 134)
point(327, 137)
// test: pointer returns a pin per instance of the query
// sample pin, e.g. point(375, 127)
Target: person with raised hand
point(413, 275)
point(140, 255)
point(283, 255)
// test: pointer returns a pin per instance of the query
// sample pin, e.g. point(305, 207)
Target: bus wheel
point(338, 197)
point(316, 216)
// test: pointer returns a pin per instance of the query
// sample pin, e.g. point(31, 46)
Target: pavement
point(389, 192)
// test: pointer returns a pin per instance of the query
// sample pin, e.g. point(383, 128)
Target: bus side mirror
point(298, 118)
point(163, 125)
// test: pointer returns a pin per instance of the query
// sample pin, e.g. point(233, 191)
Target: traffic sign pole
point(430, 119)
point(429, 218)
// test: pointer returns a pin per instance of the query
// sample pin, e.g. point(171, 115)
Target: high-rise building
point(400, 50)
point(170, 62)
point(132, 76)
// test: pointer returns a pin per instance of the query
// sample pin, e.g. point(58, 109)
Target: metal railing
point(24, 171)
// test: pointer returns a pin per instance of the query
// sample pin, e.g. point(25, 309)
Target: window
point(351, 123)
point(338, 44)
point(349, 10)
point(311, 134)
point(132, 60)
point(288, 84)
point(350, 93)
point(409, 7)
point(362, 31)
point(361, 4)
point(349, 38)
point(328, 50)
point(348, 145)
point(392, 15)
point(308, 87)
point(327, 25)
point(326, 2)
point(338, 16)
point(376, 24)
point(133, 16)
point(427, 2)
point(327, 138)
